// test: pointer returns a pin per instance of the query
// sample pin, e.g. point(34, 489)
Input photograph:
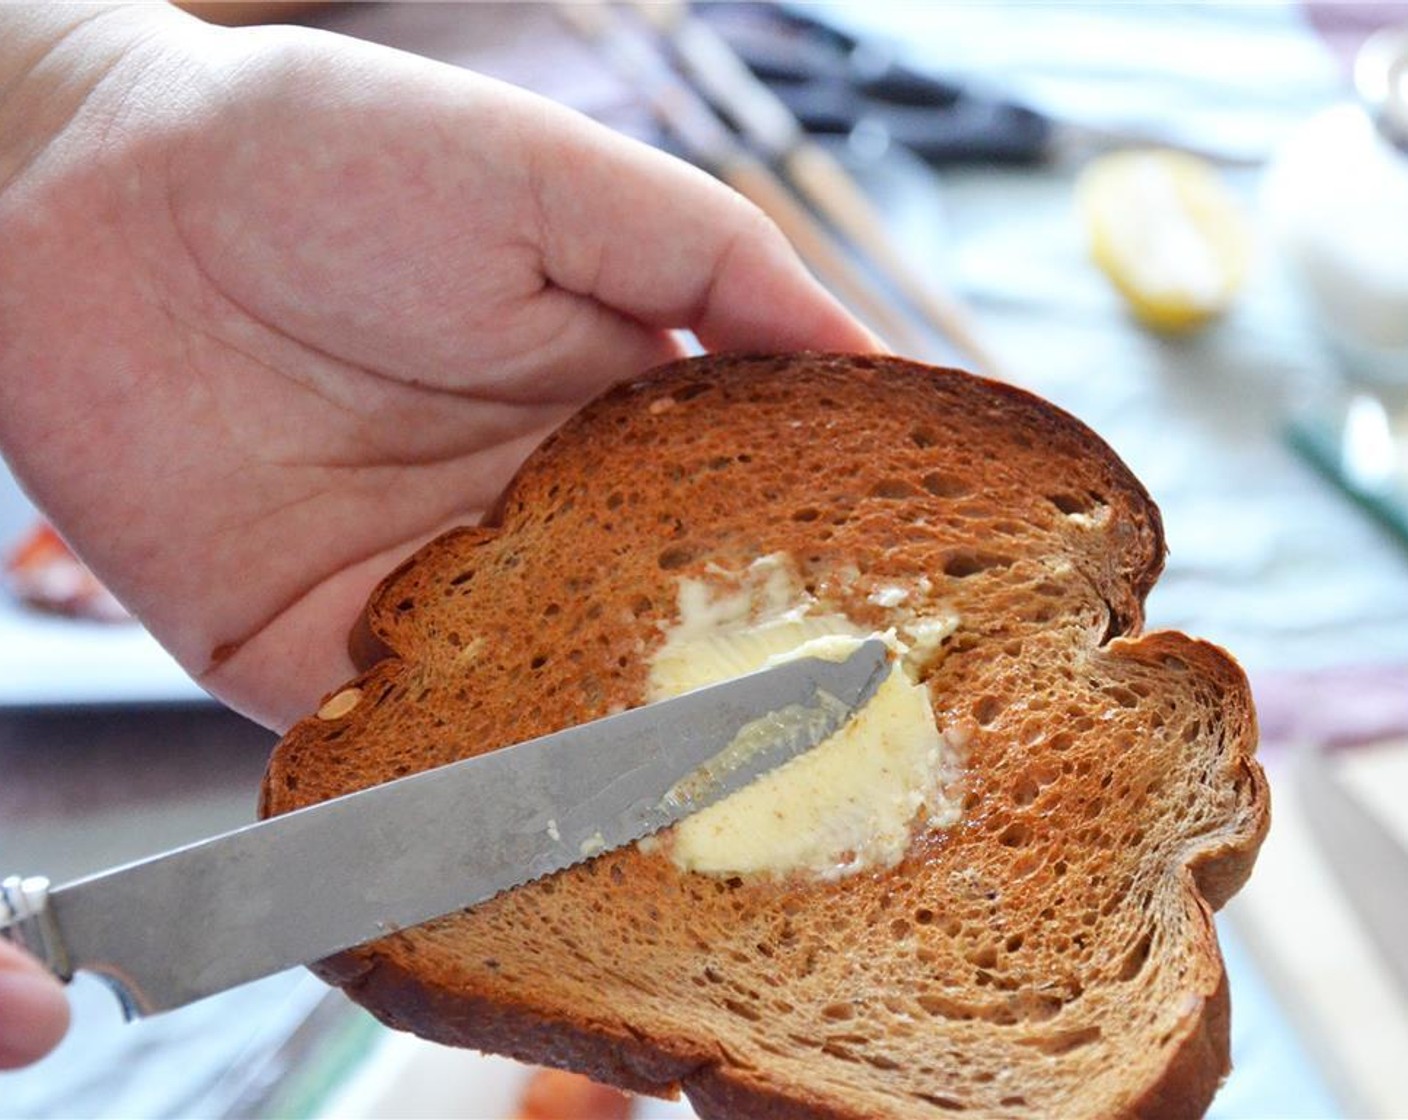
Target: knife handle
point(27, 921)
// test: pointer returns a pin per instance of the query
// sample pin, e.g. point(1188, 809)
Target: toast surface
point(1051, 953)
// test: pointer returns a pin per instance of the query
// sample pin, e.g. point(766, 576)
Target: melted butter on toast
point(849, 804)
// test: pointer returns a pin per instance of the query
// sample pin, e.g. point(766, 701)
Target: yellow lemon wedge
point(1164, 228)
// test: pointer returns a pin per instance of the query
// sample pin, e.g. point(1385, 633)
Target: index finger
point(33, 1009)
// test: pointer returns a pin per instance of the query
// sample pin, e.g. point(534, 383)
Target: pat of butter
point(848, 804)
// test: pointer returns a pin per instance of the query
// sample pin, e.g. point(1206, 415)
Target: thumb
point(33, 1009)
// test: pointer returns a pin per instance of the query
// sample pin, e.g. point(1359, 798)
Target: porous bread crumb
point(849, 805)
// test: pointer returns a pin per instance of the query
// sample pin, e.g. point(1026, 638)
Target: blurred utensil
point(708, 142)
point(1351, 443)
point(769, 124)
point(1354, 445)
point(836, 85)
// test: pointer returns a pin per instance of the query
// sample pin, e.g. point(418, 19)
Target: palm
point(309, 338)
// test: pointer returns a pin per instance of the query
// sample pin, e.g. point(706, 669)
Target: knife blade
point(174, 928)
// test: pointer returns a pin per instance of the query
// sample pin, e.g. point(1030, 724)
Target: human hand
point(279, 306)
point(33, 1010)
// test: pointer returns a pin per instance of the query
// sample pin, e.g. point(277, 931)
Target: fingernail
point(33, 1017)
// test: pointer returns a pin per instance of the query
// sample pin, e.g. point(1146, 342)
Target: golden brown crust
point(1192, 1074)
point(404, 1001)
point(1051, 954)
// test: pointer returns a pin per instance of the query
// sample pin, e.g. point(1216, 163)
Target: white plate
point(48, 661)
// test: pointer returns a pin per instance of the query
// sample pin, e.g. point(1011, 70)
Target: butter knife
point(177, 927)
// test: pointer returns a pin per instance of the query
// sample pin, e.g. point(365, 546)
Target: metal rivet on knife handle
point(26, 921)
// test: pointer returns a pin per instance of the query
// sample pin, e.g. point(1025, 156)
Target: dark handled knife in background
point(837, 85)
point(292, 890)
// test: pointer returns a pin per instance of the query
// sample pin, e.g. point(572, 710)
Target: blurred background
point(1185, 223)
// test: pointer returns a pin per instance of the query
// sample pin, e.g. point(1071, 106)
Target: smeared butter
point(794, 722)
point(851, 802)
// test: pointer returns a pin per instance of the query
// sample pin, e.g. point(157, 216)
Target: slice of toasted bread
point(1051, 954)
